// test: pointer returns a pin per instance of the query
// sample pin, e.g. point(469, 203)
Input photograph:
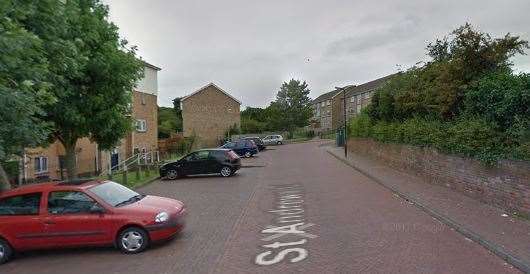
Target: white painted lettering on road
point(289, 223)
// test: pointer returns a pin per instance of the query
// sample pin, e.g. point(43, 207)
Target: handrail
point(152, 157)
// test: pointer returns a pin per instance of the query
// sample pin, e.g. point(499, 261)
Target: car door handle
point(49, 222)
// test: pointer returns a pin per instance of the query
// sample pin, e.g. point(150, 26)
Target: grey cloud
point(250, 47)
point(373, 39)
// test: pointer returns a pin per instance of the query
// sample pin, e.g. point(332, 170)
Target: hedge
point(471, 136)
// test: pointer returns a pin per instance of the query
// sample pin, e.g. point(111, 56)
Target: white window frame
point(352, 99)
point(329, 102)
point(323, 103)
point(43, 161)
point(141, 125)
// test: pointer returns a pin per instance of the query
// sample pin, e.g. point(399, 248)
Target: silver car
point(273, 140)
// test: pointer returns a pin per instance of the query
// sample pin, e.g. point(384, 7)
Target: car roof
point(47, 186)
point(213, 149)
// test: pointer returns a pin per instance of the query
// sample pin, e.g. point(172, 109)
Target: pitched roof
point(368, 86)
point(325, 96)
point(205, 87)
point(150, 66)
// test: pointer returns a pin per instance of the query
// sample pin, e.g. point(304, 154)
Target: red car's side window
point(69, 202)
point(27, 204)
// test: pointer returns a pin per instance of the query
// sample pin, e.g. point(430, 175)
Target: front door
point(114, 159)
point(195, 163)
point(70, 221)
point(21, 221)
point(212, 164)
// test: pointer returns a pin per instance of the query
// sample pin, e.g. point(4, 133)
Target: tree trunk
point(4, 180)
point(69, 160)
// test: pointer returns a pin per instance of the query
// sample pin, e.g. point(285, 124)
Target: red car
point(84, 213)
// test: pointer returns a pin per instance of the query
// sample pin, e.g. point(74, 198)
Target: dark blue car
point(246, 148)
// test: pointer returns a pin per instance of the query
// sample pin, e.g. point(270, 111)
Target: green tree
point(178, 114)
point(466, 100)
point(23, 87)
point(91, 69)
point(168, 122)
point(292, 106)
point(437, 88)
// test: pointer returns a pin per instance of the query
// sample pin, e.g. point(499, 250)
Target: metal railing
point(138, 159)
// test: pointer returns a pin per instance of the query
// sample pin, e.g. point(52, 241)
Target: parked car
point(205, 161)
point(84, 213)
point(273, 140)
point(243, 147)
point(257, 141)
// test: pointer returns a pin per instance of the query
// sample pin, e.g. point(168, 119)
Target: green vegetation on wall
point(465, 101)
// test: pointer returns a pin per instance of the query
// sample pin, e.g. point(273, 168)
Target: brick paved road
point(351, 225)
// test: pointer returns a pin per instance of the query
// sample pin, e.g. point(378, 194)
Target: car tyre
point(279, 142)
point(172, 174)
point(133, 240)
point(226, 171)
point(6, 251)
point(248, 154)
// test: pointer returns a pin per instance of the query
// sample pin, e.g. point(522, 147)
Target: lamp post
point(345, 122)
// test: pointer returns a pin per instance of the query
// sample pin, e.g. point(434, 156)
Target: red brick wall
point(506, 185)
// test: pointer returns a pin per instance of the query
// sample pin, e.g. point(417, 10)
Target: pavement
point(500, 231)
point(294, 209)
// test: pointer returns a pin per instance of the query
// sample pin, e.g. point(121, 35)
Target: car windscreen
point(115, 194)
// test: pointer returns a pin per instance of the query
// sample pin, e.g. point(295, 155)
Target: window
point(27, 204)
point(367, 95)
point(202, 155)
point(143, 99)
point(329, 102)
point(113, 193)
point(323, 104)
point(141, 125)
point(41, 164)
point(352, 99)
point(358, 99)
point(199, 155)
point(69, 202)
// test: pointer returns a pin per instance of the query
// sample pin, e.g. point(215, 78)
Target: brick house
point(45, 163)
point(208, 114)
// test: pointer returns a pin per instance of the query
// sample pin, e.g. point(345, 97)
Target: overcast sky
point(249, 48)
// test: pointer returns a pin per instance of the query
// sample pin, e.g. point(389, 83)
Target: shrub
point(474, 137)
point(360, 126)
point(422, 132)
point(500, 98)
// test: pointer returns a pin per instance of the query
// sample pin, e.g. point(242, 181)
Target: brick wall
point(506, 185)
point(145, 108)
point(209, 114)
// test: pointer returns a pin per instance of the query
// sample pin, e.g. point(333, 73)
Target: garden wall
point(506, 185)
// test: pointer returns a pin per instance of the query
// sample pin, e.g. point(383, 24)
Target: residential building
point(208, 114)
point(357, 98)
point(47, 163)
point(328, 108)
point(322, 112)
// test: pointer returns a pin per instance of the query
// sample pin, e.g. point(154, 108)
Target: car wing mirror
point(97, 209)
